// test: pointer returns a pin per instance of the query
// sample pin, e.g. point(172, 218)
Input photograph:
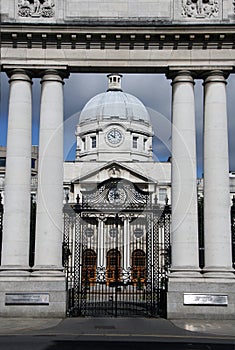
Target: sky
point(154, 90)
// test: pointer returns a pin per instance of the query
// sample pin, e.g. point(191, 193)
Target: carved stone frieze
point(200, 8)
point(36, 8)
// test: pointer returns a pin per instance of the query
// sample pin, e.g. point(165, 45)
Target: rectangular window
point(135, 142)
point(162, 194)
point(83, 143)
point(93, 142)
point(144, 144)
point(2, 161)
point(33, 163)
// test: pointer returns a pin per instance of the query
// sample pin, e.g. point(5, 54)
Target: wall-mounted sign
point(205, 299)
point(27, 299)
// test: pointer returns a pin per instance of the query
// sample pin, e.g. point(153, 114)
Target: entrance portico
point(184, 54)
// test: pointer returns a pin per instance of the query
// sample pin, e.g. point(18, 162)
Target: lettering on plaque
point(27, 299)
point(205, 299)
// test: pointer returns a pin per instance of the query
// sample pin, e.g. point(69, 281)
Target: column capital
point(53, 75)
point(20, 75)
point(182, 76)
point(215, 76)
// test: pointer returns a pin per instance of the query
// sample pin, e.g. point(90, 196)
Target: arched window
point(89, 264)
point(138, 266)
point(113, 264)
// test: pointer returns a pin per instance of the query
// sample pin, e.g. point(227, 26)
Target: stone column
point(217, 229)
point(49, 220)
point(16, 225)
point(184, 235)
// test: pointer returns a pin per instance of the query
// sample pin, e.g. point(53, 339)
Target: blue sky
point(153, 90)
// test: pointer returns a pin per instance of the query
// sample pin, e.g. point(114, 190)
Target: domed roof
point(114, 103)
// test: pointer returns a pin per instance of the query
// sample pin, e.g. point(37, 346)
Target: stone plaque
point(119, 10)
point(27, 299)
point(205, 299)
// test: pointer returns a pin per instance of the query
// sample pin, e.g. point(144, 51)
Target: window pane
point(135, 142)
point(84, 143)
point(93, 142)
point(33, 163)
point(2, 161)
point(162, 194)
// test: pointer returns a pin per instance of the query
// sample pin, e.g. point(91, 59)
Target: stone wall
point(154, 12)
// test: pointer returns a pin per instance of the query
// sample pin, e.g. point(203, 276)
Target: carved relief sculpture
point(36, 8)
point(200, 8)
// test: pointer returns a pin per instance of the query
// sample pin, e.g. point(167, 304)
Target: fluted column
point(217, 230)
point(184, 235)
point(49, 220)
point(16, 225)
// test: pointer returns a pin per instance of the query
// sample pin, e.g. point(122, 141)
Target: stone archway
point(183, 39)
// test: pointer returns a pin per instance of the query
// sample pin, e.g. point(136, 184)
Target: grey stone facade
point(183, 39)
point(156, 12)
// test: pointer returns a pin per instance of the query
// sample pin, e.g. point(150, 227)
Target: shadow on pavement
point(65, 345)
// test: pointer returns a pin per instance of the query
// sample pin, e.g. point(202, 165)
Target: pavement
point(142, 329)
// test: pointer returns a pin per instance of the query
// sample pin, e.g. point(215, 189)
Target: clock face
point(114, 136)
point(117, 196)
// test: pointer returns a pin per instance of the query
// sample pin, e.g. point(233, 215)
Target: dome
point(114, 103)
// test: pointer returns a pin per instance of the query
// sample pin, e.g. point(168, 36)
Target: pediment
point(112, 170)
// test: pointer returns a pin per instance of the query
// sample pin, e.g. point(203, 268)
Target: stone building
point(185, 40)
point(117, 184)
point(34, 169)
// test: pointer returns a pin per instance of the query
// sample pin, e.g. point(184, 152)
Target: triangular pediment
point(114, 169)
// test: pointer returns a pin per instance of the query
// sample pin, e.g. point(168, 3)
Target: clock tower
point(121, 195)
point(114, 126)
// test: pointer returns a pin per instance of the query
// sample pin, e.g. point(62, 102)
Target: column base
point(201, 298)
point(215, 272)
point(185, 273)
point(51, 271)
point(14, 270)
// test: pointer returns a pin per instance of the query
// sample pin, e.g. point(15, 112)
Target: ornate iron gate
point(116, 255)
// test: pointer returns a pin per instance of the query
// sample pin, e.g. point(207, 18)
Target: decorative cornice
point(177, 38)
